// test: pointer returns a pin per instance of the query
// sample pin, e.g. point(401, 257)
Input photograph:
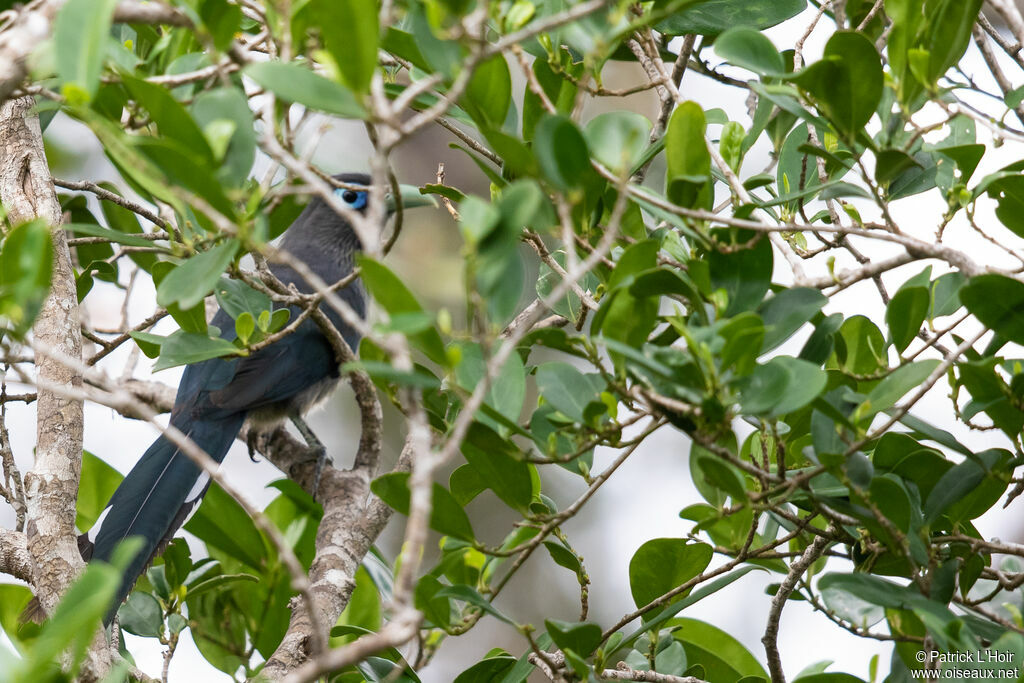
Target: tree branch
point(51, 486)
point(771, 632)
point(33, 26)
point(14, 556)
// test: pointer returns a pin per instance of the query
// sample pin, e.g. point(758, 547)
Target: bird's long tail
point(156, 498)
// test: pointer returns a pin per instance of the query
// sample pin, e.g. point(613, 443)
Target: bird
point(216, 397)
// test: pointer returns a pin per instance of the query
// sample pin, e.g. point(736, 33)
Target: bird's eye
point(356, 199)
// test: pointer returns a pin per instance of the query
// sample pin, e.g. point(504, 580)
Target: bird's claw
point(318, 469)
point(316, 449)
point(255, 441)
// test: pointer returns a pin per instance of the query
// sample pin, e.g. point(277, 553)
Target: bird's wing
point(270, 376)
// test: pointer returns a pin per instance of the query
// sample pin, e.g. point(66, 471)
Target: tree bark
point(51, 486)
point(353, 519)
point(14, 557)
point(32, 26)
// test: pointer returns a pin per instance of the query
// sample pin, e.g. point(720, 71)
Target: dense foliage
point(679, 288)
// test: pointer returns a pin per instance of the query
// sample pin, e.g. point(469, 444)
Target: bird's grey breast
point(299, 404)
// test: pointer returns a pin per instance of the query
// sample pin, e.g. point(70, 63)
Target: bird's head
point(319, 227)
point(354, 193)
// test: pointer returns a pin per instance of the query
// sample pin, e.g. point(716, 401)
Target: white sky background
point(644, 497)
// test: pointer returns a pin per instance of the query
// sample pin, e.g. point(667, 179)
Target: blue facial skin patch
point(355, 199)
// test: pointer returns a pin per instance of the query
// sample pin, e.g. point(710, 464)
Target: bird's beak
point(411, 198)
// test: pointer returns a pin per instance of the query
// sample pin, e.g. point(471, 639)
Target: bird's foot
point(317, 451)
point(255, 441)
point(318, 469)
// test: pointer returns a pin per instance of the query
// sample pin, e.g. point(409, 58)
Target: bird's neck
point(330, 255)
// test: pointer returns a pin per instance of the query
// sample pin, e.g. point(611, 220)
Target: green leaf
point(870, 589)
point(487, 670)
point(446, 517)
point(190, 282)
point(849, 606)
point(730, 144)
point(171, 118)
point(893, 502)
point(236, 298)
point(569, 306)
point(386, 372)
point(561, 152)
point(26, 262)
point(846, 82)
point(185, 168)
point(440, 55)
point(819, 345)
point(380, 670)
point(185, 348)
point(91, 230)
point(891, 389)
point(636, 259)
point(618, 139)
point(707, 589)
point(786, 312)
point(394, 297)
point(141, 615)
point(904, 456)
point(75, 619)
point(364, 607)
point(564, 557)
point(949, 33)
point(216, 582)
point(437, 610)
point(13, 600)
point(905, 314)
point(712, 17)
point(1014, 97)
point(245, 325)
point(222, 523)
point(98, 482)
point(749, 48)
point(780, 386)
point(945, 299)
point(831, 190)
point(567, 389)
point(998, 302)
point(716, 651)
point(508, 388)
point(466, 484)
point(126, 222)
point(351, 34)
point(494, 459)
point(176, 623)
point(723, 477)
point(221, 19)
point(228, 104)
point(192, 319)
point(80, 34)
point(957, 493)
point(891, 163)
point(966, 157)
point(295, 83)
point(177, 562)
point(862, 349)
point(661, 564)
point(687, 157)
point(489, 93)
point(744, 336)
point(829, 677)
point(581, 638)
point(745, 275)
point(472, 597)
point(143, 174)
